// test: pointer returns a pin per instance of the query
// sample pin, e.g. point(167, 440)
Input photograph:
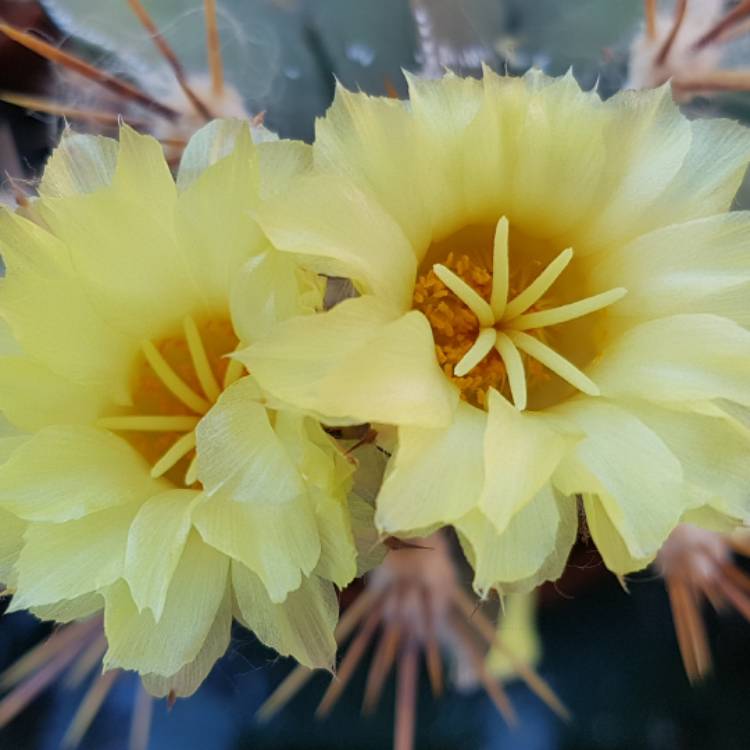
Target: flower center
point(176, 381)
point(491, 326)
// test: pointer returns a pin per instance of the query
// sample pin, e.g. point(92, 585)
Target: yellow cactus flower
point(552, 307)
point(151, 477)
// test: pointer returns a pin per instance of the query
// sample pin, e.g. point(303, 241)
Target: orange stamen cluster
point(455, 329)
point(151, 397)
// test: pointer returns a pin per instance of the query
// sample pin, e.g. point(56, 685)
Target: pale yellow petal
point(639, 481)
point(521, 451)
point(700, 266)
point(110, 239)
point(713, 452)
point(69, 610)
point(617, 555)
point(647, 140)
point(156, 540)
point(81, 163)
point(63, 473)
point(279, 543)
point(314, 452)
point(710, 175)
point(370, 550)
point(443, 111)
point(62, 561)
point(676, 359)
point(270, 288)
point(194, 599)
point(341, 231)
point(338, 553)
point(435, 475)
point(240, 454)
point(142, 173)
point(446, 106)
point(75, 341)
point(11, 541)
point(190, 677)
point(357, 362)
point(301, 626)
point(207, 146)
point(32, 396)
point(533, 548)
point(213, 222)
point(559, 141)
point(281, 161)
point(328, 478)
point(374, 142)
point(687, 169)
point(489, 152)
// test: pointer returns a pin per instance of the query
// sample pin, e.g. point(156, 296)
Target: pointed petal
point(521, 452)
point(279, 543)
point(648, 140)
point(80, 164)
point(615, 552)
point(374, 142)
point(301, 626)
point(142, 173)
point(33, 397)
point(155, 543)
point(64, 473)
point(328, 478)
point(338, 554)
point(356, 363)
point(444, 111)
point(676, 359)
point(69, 610)
point(342, 232)
point(677, 270)
point(11, 541)
point(76, 341)
point(110, 238)
point(213, 222)
point(207, 146)
point(240, 454)
point(435, 475)
point(674, 170)
point(184, 683)
point(518, 634)
point(637, 478)
point(559, 130)
point(61, 561)
point(713, 453)
point(270, 288)
point(533, 548)
point(370, 550)
point(281, 161)
point(194, 598)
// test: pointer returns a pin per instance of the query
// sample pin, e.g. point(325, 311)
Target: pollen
point(490, 324)
point(455, 327)
point(175, 382)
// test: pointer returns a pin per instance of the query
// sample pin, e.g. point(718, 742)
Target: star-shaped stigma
point(503, 323)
